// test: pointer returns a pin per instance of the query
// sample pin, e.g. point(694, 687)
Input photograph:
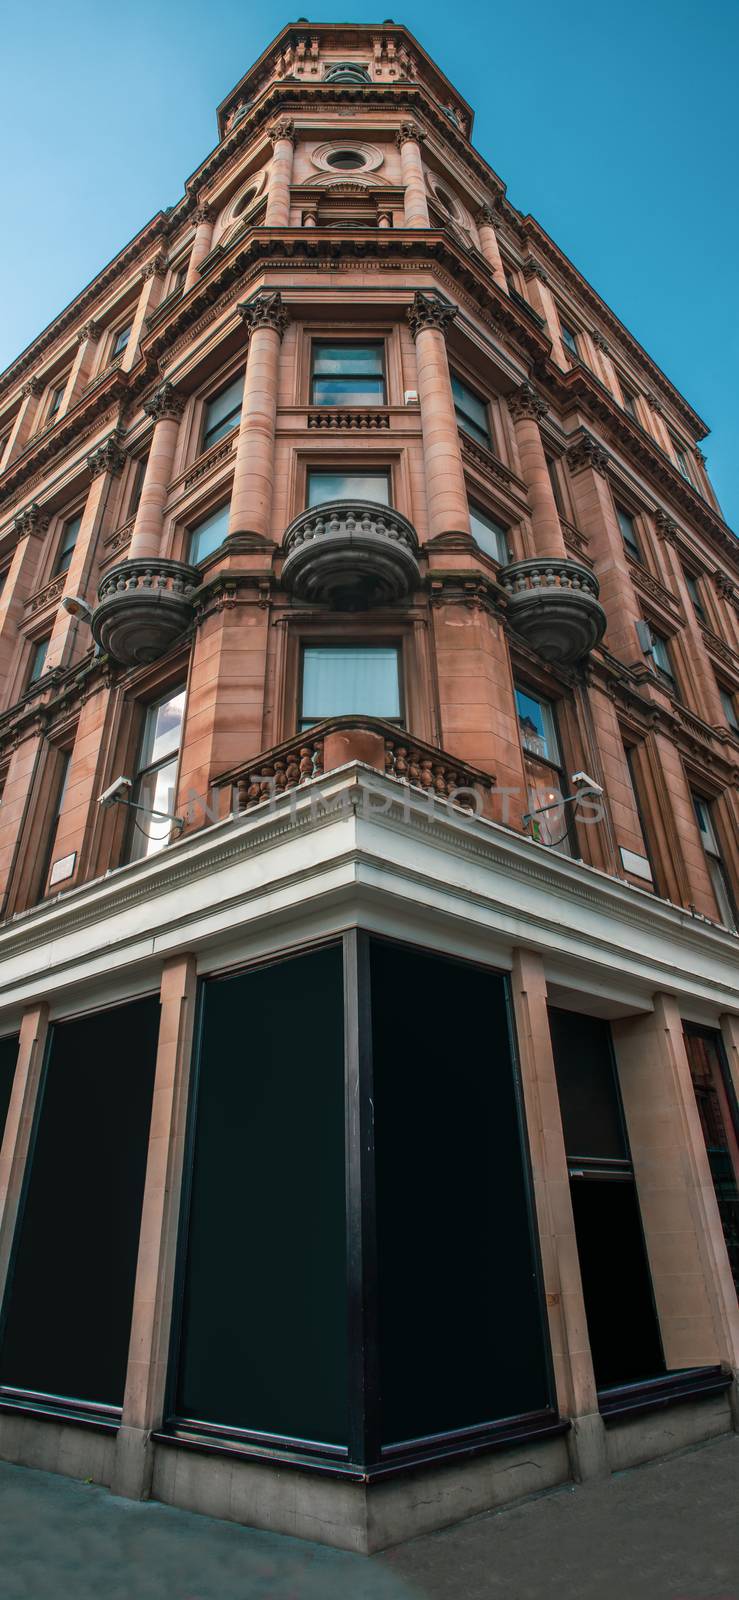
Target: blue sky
point(616, 127)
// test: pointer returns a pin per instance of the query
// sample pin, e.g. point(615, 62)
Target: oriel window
point(472, 412)
point(155, 786)
point(347, 680)
point(222, 412)
point(348, 374)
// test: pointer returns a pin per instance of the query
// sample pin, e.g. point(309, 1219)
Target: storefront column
point(166, 407)
point(265, 319)
point(490, 247)
point(527, 410)
point(693, 1287)
point(277, 213)
point(446, 494)
point(18, 1126)
point(568, 1330)
point(143, 1401)
point(203, 219)
point(409, 139)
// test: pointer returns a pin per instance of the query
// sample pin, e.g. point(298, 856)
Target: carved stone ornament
point(166, 402)
point(666, 526)
point(32, 519)
point(265, 310)
point(108, 457)
point(486, 216)
point(203, 212)
point(525, 402)
point(587, 452)
point(143, 607)
point(32, 387)
point(283, 129)
point(700, 455)
point(350, 554)
point(409, 132)
point(600, 341)
point(534, 269)
point(90, 330)
point(655, 404)
point(553, 605)
point(429, 311)
point(157, 265)
point(725, 585)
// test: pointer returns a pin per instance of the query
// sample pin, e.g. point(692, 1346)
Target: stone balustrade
point(553, 604)
point(144, 605)
point(350, 554)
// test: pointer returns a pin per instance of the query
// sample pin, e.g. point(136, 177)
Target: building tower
point(369, 1010)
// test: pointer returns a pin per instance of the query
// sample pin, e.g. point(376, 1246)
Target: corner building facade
point(369, 1061)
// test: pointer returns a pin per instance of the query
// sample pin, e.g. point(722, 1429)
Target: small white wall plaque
point(62, 869)
point(638, 866)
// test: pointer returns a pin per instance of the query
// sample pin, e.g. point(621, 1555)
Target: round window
point(346, 160)
point(243, 203)
point(446, 201)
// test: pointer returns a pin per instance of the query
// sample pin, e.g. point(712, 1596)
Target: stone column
point(409, 139)
point(203, 219)
point(691, 1277)
point(490, 247)
point(446, 493)
point(568, 1328)
point(542, 300)
point(148, 1350)
point(588, 464)
point(277, 214)
point(104, 465)
point(29, 529)
point(81, 367)
point(166, 407)
point(152, 283)
point(24, 422)
point(527, 408)
point(265, 319)
point(18, 1126)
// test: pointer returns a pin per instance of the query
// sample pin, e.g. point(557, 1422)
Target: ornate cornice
point(166, 402)
point(585, 451)
point(108, 457)
point(32, 519)
point(526, 402)
point(284, 128)
point(429, 311)
point(265, 310)
point(409, 133)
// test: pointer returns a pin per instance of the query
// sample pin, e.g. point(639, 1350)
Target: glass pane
point(121, 340)
point(718, 1121)
point(69, 540)
point(471, 412)
point(721, 891)
point(38, 660)
point(347, 358)
point(491, 537)
point(568, 338)
point(163, 728)
point(340, 681)
point(730, 712)
point(536, 722)
point(461, 1336)
point(223, 411)
point(347, 391)
point(155, 791)
point(323, 486)
point(264, 1333)
point(8, 1058)
point(628, 531)
point(588, 1090)
point(207, 536)
point(617, 1288)
point(69, 1305)
point(661, 655)
point(552, 823)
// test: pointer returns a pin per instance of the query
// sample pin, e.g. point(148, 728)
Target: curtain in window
point(339, 682)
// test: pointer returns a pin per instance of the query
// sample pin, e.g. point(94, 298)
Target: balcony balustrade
point(351, 554)
point(143, 607)
point(553, 604)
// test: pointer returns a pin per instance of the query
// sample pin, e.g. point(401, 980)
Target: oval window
point(346, 160)
point(244, 201)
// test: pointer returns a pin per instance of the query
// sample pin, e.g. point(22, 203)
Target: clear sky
point(616, 126)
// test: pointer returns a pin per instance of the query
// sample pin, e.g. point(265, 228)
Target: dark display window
point(8, 1058)
point(67, 1314)
point(717, 1109)
point(617, 1288)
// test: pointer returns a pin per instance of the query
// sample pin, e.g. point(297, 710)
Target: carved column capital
point(32, 519)
point(525, 402)
point(32, 387)
point(726, 586)
point(666, 526)
point(655, 404)
point(108, 457)
point(700, 455)
point(158, 264)
point(486, 216)
point(203, 212)
point(409, 132)
point(165, 402)
point(585, 451)
point(90, 330)
point(284, 128)
point(265, 310)
point(600, 341)
point(534, 269)
point(429, 311)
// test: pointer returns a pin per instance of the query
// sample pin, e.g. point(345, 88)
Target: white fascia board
point(389, 858)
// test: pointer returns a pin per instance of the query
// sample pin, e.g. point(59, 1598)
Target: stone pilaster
point(165, 407)
point(150, 293)
point(105, 464)
point(527, 409)
point(595, 514)
point(542, 301)
point(282, 135)
point(29, 527)
point(203, 219)
point(265, 318)
point(409, 138)
point(24, 423)
point(490, 247)
point(448, 511)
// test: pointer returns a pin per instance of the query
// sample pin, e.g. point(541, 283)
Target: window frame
point(476, 509)
point(691, 584)
point(666, 675)
point(205, 443)
point(568, 336)
point(467, 425)
point(33, 677)
point(351, 344)
point(347, 472)
point(143, 771)
point(123, 332)
point(192, 528)
point(629, 401)
point(304, 724)
point(720, 881)
point(632, 545)
point(60, 565)
point(54, 402)
point(728, 699)
point(557, 769)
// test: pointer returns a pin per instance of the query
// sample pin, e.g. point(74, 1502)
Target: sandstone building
point(369, 1058)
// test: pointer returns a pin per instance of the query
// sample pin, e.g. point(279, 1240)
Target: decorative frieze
point(429, 311)
point(340, 421)
point(165, 402)
point(526, 402)
point(48, 596)
point(266, 310)
point(109, 457)
point(586, 451)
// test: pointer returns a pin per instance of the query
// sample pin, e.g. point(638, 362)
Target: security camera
point(580, 780)
point(118, 791)
point(77, 607)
